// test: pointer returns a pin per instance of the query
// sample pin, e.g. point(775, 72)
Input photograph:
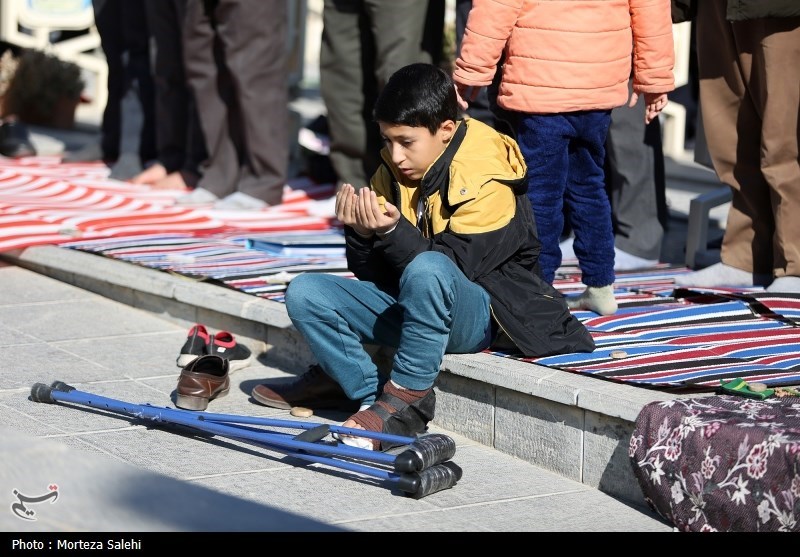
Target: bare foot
point(179, 180)
point(150, 175)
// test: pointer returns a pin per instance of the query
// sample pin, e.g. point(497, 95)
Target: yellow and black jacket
point(472, 206)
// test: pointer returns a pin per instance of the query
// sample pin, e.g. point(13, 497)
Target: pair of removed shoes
point(199, 342)
point(207, 361)
point(397, 411)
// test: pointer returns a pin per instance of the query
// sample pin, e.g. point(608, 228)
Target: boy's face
point(413, 149)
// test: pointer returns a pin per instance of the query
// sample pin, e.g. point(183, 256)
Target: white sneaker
point(238, 201)
point(196, 197)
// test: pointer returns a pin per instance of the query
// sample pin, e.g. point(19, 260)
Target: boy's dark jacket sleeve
point(496, 245)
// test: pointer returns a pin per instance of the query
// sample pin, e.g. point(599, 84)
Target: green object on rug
point(740, 387)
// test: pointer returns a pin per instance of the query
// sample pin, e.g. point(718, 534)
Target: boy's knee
point(305, 290)
point(428, 267)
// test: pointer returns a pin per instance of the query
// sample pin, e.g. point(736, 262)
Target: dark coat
point(472, 206)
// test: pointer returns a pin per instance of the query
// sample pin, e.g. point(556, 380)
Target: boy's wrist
point(385, 233)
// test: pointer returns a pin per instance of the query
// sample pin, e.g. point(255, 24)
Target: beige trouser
point(750, 96)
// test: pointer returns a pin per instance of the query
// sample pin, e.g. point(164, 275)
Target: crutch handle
point(436, 478)
point(425, 452)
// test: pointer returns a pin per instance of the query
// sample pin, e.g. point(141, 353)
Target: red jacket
point(568, 55)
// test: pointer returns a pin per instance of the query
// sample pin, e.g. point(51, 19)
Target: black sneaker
point(223, 344)
point(196, 345)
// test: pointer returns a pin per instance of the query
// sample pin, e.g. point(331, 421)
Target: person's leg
point(337, 316)
point(443, 312)
point(253, 36)
point(590, 211)
point(396, 31)
point(544, 142)
point(213, 96)
point(108, 19)
point(635, 180)
point(137, 43)
point(342, 83)
point(163, 20)
point(738, 63)
point(776, 41)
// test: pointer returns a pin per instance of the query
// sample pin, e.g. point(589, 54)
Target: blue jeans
point(565, 154)
point(437, 310)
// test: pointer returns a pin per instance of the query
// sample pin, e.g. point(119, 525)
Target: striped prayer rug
point(661, 337)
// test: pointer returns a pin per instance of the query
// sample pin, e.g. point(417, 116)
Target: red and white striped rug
point(44, 201)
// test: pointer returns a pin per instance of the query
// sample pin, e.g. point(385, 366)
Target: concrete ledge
point(576, 425)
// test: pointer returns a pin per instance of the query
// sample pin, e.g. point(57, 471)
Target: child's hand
point(370, 216)
point(654, 104)
point(346, 204)
point(466, 94)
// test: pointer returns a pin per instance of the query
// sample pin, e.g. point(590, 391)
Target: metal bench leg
point(697, 232)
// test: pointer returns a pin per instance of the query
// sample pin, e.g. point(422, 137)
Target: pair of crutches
point(422, 468)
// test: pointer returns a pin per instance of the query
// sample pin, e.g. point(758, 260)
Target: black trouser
point(124, 37)
point(363, 43)
point(178, 134)
point(234, 55)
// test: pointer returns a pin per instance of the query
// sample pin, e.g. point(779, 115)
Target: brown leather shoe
point(202, 380)
point(314, 389)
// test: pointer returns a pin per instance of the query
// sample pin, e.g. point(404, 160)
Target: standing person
point(748, 54)
point(444, 246)
point(236, 65)
point(636, 184)
point(181, 148)
point(124, 38)
point(363, 43)
point(567, 64)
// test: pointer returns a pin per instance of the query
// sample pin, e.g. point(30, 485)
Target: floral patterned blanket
point(721, 463)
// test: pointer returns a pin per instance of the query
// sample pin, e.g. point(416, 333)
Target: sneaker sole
point(196, 402)
point(186, 359)
point(233, 365)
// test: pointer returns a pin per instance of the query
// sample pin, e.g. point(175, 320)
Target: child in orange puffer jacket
point(567, 64)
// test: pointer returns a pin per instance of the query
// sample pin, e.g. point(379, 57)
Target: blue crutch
point(421, 469)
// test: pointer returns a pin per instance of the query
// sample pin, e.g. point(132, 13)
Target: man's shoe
point(196, 345)
point(203, 380)
point(224, 344)
point(315, 389)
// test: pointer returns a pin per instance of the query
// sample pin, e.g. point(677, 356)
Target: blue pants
point(565, 155)
point(437, 310)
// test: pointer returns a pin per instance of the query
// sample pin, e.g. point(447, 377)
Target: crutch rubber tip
point(41, 393)
point(61, 386)
point(425, 452)
point(433, 479)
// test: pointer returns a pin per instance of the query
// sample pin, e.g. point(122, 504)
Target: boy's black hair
point(417, 95)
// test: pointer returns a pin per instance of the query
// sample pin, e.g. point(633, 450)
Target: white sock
point(720, 274)
point(624, 261)
point(788, 284)
point(599, 299)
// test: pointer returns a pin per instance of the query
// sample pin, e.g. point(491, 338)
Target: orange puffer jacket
point(568, 55)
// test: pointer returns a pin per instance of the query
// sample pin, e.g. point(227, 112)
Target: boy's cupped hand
point(362, 211)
